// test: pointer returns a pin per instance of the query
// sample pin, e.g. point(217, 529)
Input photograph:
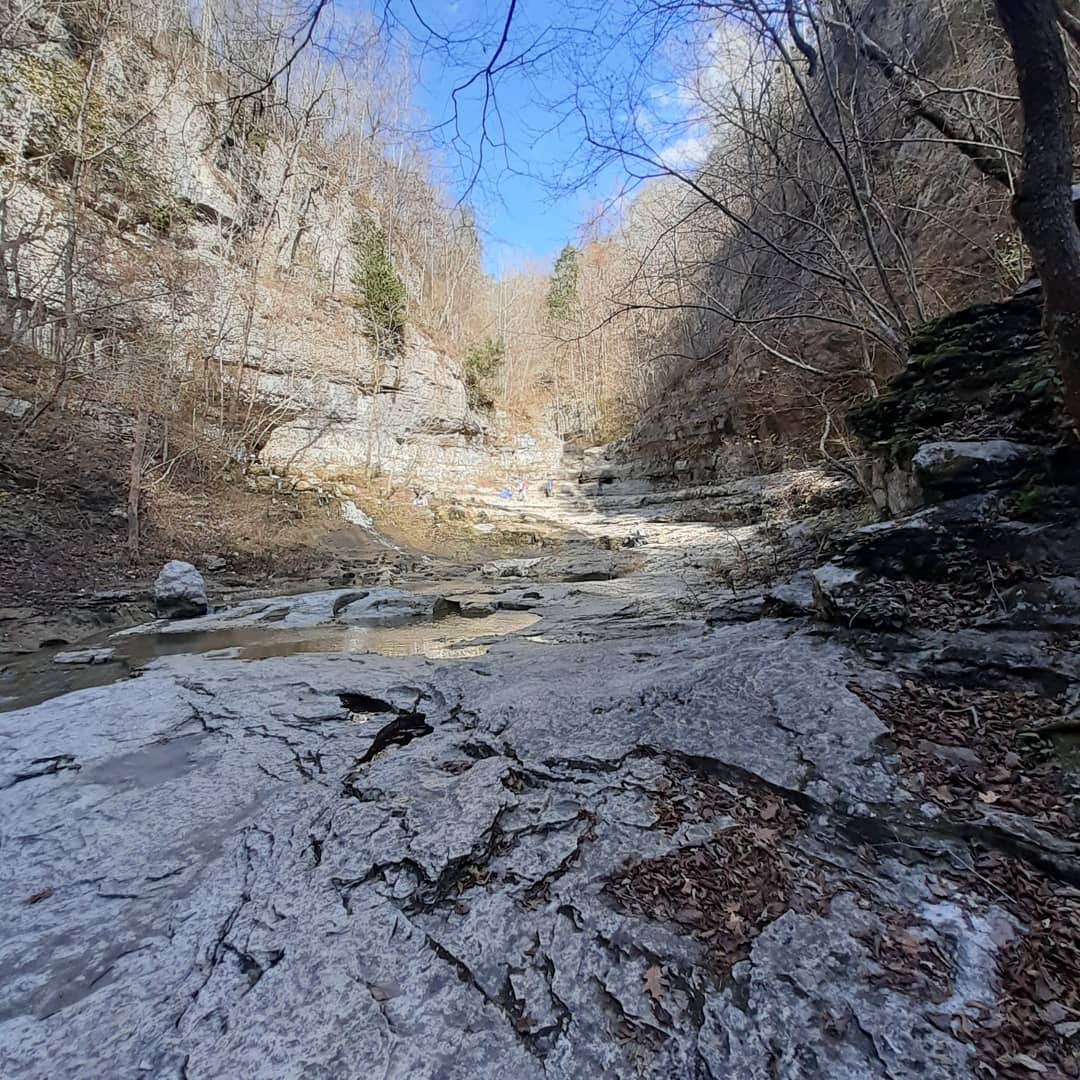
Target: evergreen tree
point(482, 364)
point(380, 293)
point(563, 291)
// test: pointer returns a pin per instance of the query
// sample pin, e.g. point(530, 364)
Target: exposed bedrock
point(355, 866)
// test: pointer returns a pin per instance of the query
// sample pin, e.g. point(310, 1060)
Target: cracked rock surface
point(362, 866)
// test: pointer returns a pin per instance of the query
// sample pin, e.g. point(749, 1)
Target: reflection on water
point(36, 679)
point(449, 638)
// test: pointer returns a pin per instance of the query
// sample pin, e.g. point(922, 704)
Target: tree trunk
point(142, 422)
point(1043, 205)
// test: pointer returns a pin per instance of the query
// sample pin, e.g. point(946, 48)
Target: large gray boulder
point(180, 592)
point(958, 466)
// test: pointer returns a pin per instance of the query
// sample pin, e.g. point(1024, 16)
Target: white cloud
point(686, 153)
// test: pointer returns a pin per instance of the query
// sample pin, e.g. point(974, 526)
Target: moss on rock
point(983, 372)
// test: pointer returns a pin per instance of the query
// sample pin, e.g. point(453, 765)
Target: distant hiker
point(549, 489)
point(522, 489)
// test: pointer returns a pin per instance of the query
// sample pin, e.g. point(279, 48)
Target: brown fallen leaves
point(728, 889)
point(965, 749)
point(970, 590)
point(968, 749)
point(654, 982)
point(910, 960)
point(691, 795)
point(1037, 1022)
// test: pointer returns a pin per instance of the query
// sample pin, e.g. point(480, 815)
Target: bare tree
point(1043, 205)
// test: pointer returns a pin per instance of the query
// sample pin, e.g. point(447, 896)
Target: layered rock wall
point(209, 269)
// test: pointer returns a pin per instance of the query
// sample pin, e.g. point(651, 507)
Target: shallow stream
point(35, 678)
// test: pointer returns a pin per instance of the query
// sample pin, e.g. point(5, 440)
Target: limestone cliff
point(172, 253)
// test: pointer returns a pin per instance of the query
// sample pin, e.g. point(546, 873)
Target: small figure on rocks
point(180, 592)
point(549, 489)
point(522, 490)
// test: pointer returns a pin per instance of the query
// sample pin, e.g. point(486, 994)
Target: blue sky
point(536, 185)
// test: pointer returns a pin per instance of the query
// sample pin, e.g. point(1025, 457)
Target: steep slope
point(838, 221)
point(175, 252)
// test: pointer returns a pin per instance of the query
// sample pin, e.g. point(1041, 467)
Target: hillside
point(194, 275)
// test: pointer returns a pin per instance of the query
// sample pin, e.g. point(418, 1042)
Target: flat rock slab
point(362, 866)
point(285, 612)
point(84, 656)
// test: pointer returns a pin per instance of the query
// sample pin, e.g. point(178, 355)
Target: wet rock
point(284, 612)
point(473, 606)
point(387, 605)
point(84, 656)
point(180, 592)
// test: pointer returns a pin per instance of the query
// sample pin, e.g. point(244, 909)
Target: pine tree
point(563, 291)
point(380, 293)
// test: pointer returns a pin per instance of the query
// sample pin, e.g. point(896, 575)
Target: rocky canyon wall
point(170, 257)
point(792, 331)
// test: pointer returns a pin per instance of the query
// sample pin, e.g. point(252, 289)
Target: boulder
point(12, 406)
point(792, 597)
point(956, 466)
point(180, 592)
point(476, 609)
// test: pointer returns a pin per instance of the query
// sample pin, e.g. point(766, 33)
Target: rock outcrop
point(973, 438)
point(976, 407)
point(173, 212)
